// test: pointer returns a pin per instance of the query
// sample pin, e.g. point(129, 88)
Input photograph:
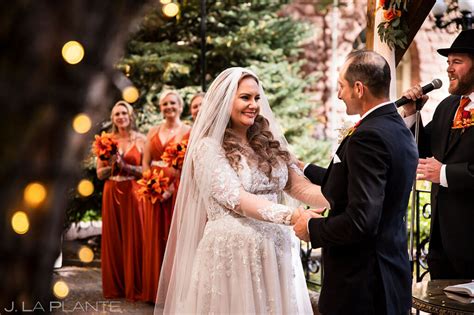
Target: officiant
point(447, 161)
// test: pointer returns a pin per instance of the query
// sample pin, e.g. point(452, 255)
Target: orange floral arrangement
point(174, 154)
point(105, 146)
point(393, 29)
point(152, 185)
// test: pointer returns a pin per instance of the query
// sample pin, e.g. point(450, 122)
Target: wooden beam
point(369, 41)
point(418, 10)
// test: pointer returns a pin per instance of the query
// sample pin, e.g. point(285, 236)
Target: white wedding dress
point(244, 265)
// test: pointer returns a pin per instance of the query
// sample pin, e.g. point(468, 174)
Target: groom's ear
point(359, 89)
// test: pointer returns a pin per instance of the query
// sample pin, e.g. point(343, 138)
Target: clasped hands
point(300, 219)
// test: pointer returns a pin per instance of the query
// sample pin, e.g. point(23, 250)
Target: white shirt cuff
point(305, 166)
point(443, 180)
point(409, 120)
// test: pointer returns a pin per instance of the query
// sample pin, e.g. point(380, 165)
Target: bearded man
point(446, 147)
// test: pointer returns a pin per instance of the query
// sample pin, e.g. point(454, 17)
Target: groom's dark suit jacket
point(452, 220)
point(364, 238)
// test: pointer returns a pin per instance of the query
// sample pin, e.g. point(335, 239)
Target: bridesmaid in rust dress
point(157, 216)
point(122, 235)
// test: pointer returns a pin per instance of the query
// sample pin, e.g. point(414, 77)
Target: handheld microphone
point(433, 85)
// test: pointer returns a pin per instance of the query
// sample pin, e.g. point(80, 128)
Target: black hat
point(464, 43)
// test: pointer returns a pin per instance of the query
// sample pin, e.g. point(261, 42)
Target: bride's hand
point(296, 215)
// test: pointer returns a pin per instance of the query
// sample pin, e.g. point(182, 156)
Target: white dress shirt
point(410, 121)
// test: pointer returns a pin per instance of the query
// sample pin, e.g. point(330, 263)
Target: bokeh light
point(73, 52)
point(170, 9)
point(85, 254)
point(85, 188)
point(20, 222)
point(130, 94)
point(82, 123)
point(34, 194)
point(165, 1)
point(60, 289)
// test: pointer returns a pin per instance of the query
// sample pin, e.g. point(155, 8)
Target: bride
point(230, 249)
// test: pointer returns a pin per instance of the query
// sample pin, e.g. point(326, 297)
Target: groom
point(364, 238)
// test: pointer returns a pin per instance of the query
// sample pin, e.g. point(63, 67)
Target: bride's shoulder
point(207, 143)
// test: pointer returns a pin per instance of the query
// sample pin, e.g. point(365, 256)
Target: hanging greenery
point(393, 29)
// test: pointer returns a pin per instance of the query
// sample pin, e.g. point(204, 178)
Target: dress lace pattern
point(242, 265)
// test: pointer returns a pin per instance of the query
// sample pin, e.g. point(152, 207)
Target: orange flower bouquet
point(174, 154)
point(153, 185)
point(105, 146)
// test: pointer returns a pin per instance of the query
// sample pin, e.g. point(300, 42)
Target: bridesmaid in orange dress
point(157, 216)
point(122, 218)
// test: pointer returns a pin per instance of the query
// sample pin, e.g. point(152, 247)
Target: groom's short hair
point(371, 69)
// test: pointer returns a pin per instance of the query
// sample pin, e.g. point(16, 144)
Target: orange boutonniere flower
point(463, 119)
point(346, 132)
point(174, 154)
point(105, 146)
point(152, 185)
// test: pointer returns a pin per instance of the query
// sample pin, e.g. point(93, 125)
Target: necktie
point(461, 114)
point(463, 103)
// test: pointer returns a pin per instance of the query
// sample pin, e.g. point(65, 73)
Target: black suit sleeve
point(424, 140)
point(315, 174)
point(368, 161)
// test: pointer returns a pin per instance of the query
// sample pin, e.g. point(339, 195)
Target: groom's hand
point(301, 226)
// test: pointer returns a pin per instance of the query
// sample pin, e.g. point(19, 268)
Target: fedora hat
point(464, 43)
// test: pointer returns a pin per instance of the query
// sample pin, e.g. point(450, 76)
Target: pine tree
point(164, 53)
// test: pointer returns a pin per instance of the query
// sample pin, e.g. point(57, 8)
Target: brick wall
point(347, 22)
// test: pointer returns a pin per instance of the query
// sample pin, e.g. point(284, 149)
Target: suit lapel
point(453, 140)
point(384, 110)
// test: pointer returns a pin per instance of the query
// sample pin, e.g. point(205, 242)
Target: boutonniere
point(463, 119)
point(346, 131)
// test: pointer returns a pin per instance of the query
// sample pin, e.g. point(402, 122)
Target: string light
point(165, 1)
point(73, 52)
point(20, 222)
point(60, 289)
point(85, 254)
point(85, 188)
point(34, 194)
point(170, 9)
point(130, 94)
point(82, 123)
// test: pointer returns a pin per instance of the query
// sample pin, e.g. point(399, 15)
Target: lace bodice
point(225, 183)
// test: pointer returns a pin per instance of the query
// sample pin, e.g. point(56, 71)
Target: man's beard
point(465, 84)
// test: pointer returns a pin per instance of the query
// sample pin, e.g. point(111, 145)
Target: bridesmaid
point(195, 104)
point(157, 217)
point(122, 235)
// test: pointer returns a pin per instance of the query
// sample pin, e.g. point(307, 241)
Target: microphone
point(433, 85)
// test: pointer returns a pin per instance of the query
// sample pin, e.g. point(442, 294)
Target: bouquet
point(105, 146)
point(174, 154)
point(153, 185)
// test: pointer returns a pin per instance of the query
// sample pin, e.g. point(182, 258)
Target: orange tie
point(463, 103)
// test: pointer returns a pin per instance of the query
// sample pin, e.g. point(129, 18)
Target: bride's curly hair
point(267, 149)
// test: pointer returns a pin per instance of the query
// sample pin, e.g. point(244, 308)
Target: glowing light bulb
point(60, 289)
point(165, 1)
point(34, 194)
point(170, 9)
point(82, 123)
point(73, 52)
point(85, 188)
point(20, 222)
point(130, 94)
point(86, 254)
